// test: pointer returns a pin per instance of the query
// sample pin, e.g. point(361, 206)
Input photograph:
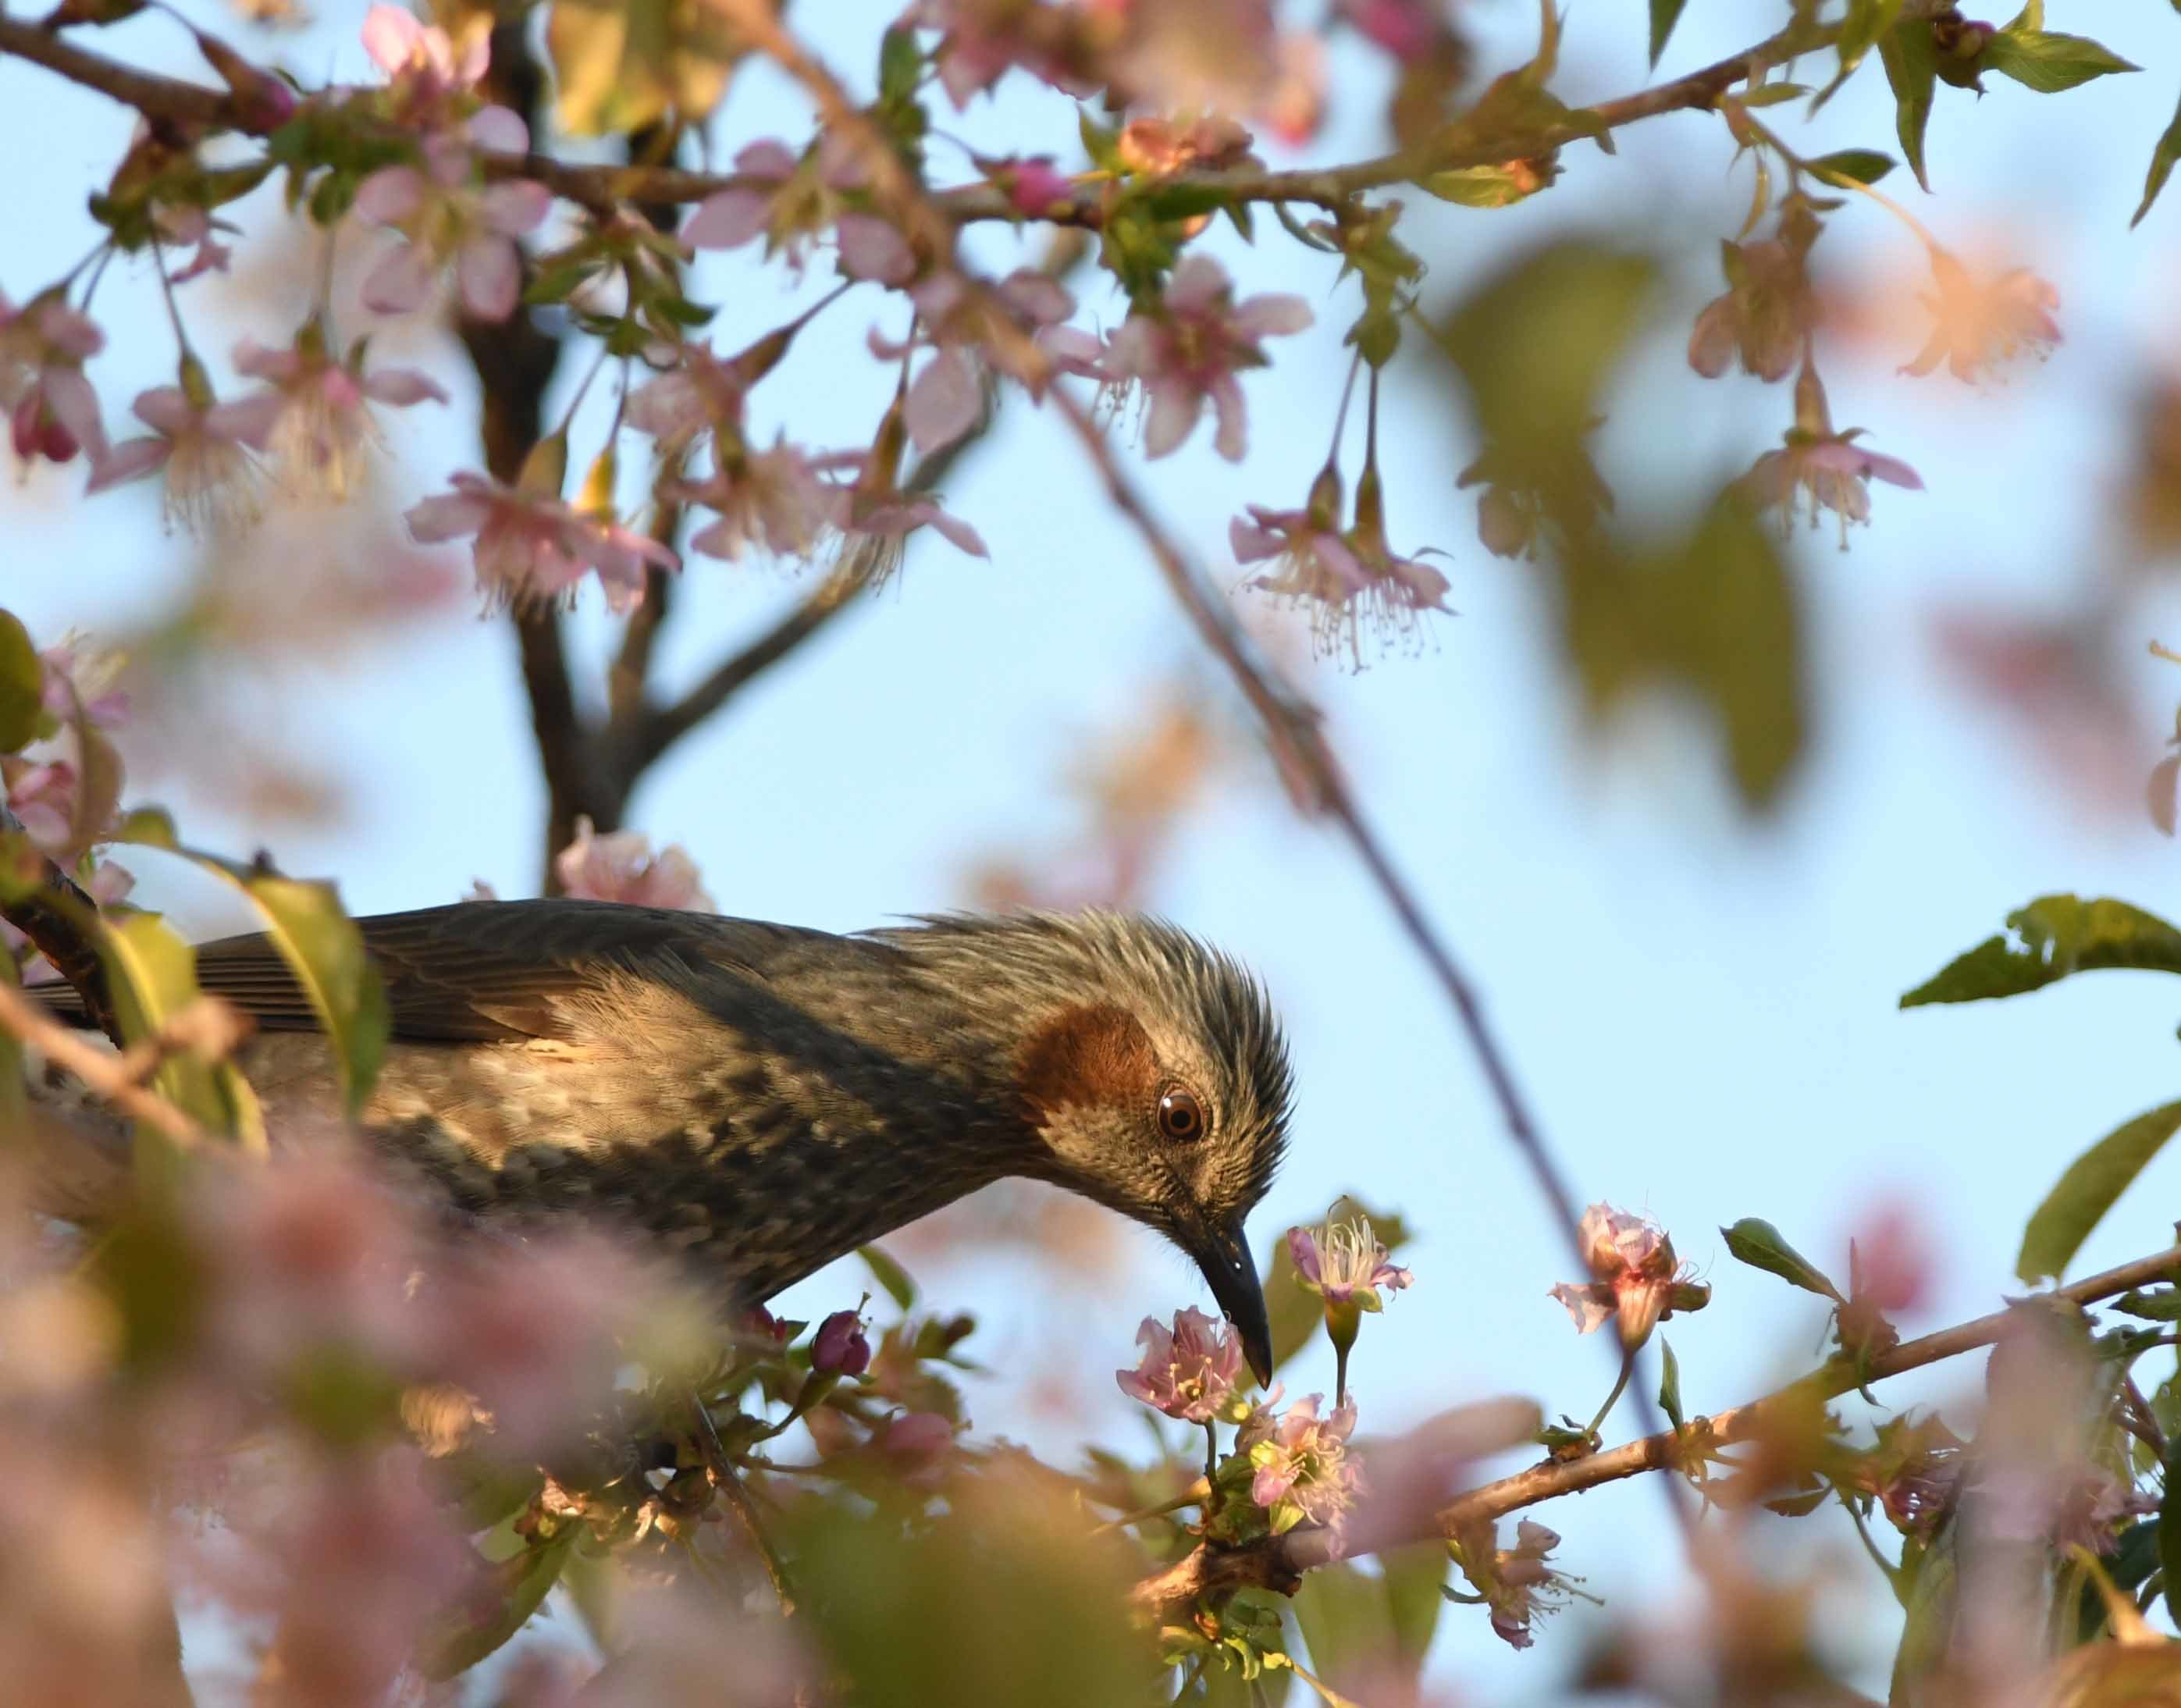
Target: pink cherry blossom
point(402, 46)
point(532, 546)
point(1635, 1277)
point(1406, 29)
point(983, 40)
point(449, 217)
point(790, 201)
point(1829, 466)
point(203, 445)
point(184, 226)
point(42, 796)
point(1343, 1262)
point(702, 393)
point(888, 522)
point(1192, 350)
point(620, 866)
point(323, 430)
point(80, 675)
point(772, 499)
point(1519, 1586)
point(52, 411)
point(1302, 1466)
point(1188, 1371)
point(1980, 327)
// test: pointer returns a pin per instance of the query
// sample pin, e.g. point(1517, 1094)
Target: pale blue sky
point(1702, 1010)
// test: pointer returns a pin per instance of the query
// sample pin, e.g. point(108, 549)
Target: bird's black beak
point(1223, 1255)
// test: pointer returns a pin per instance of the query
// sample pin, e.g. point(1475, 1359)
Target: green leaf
point(1867, 23)
point(889, 1275)
point(2087, 1191)
point(325, 952)
point(2055, 936)
point(1664, 14)
point(1344, 1619)
point(2160, 1304)
point(153, 973)
point(1485, 186)
point(22, 684)
point(15, 1093)
point(1912, 72)
point(2161, 165)
point(1759, 1244)
point(1670, 1386)
point(2048, 62)
point(1772, 94)
point(518, 1588)
point(1864, 165)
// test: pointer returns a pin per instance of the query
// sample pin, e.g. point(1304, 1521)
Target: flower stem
point(1340, 1376)
point(1340, 416)
point(1210, 1460)
point(1627, 1369)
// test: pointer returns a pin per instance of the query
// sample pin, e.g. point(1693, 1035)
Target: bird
point(755, 1100)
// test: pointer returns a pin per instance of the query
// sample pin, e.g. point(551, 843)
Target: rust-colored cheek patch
point(1097, 1053)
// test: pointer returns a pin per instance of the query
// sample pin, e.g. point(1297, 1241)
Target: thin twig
point(728, 1481)
point(108, 1076)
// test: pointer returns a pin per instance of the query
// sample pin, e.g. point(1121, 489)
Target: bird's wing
point(495, 971)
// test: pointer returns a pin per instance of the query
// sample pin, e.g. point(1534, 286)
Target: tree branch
point(104, 1073)
point(601, 187)
point(1662, 1452)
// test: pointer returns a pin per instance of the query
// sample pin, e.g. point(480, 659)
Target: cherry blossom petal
point(872, 249)
point(166, 408)
point(451, 516)
point(130, 461)
point(1275, 314)
point(276, 365)
point(767, 158)
point(958, 532)
point(1232, 441)
point(490, 274)
point(1175, 406)
point(247, 421)
point(1251, 544)
point(1198, 282)
point(516, 208)
point(499, 129)
point(390, 35)
point(944, 402)
point(727, 220)
point(402, 386)
point(391, 195)
point(74, 404)
point(400, 282)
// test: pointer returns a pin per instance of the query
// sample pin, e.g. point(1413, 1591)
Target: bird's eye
point(1181, 1116)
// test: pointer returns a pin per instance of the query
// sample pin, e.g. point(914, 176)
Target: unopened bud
point(840, 1348)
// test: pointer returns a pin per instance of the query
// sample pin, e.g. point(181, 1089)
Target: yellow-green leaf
point(325, 951)
point(22, 684)
point(2053, 937)
point(1912, 70)
point(153, 973)
point(2162, 166)
point(2087, 1191)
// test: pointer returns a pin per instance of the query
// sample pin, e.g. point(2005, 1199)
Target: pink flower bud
point(840, 1347)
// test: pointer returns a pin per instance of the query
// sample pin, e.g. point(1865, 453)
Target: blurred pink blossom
point(1829, 466)
point(790, 203)
point(52, 411)
point(202, 444)
point(1978, 328)
point(533, 546)
point(324, 428)
point(448, 217)
point(1192, 350)
point(80, 675)
point(402, 46)
point(619, 867)
point(1188, 1371)
point(772, 499)
point(184, 226)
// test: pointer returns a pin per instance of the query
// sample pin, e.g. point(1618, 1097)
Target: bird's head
point(1152, 1074)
